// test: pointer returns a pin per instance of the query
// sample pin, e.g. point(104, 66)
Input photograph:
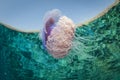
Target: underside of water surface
point(95, 54)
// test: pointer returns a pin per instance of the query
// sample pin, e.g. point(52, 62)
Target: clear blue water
point(95, 54)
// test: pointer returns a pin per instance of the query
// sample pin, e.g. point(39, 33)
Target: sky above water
point(28, 14)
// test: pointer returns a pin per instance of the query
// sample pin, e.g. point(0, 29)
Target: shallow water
point(95, 54)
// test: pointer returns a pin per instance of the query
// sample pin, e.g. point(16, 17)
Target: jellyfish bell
point(49, 23)
point(58, 33)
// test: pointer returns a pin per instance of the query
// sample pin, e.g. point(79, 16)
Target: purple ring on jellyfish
point(57, 34)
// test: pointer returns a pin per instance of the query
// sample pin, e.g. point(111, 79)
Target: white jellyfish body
point(58, 33)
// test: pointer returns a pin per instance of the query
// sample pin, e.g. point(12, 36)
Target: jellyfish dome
point(57, 34)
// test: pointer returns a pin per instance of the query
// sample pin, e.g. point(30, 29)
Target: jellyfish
point(57, 34)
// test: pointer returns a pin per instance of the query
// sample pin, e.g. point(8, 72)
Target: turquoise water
point(95, 54)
